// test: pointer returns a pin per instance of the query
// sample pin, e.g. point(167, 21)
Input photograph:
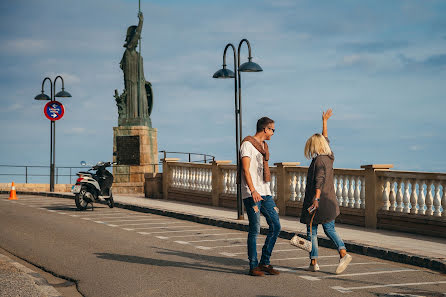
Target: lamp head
point(42, 96)
point(63, 94)
point(224, 73)
point(250, 66)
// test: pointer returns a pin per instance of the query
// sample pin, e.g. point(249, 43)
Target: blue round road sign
point(54, 110)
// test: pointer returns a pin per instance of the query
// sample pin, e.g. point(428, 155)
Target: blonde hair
point(316, 145)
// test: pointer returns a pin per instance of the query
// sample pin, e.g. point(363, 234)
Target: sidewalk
point(413, 249)
point(18, 280)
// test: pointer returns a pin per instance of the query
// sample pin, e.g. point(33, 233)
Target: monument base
point(136, 152)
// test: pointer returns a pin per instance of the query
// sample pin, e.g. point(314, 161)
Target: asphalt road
point(118, 252)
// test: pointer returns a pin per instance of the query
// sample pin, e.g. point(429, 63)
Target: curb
point(367, 250)
point(41, 283)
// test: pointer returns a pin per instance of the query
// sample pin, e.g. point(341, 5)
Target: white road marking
point(145, 233)
point(327, 265)
point(158, 223)
point(228, 254)
point(348, 290)
point(158, 227)
point(114, 217)
point(298, 258)
point(196, 235)
point(220, 239)
point(136, 220)
point(275, 251)
point(312, 278)
point(234, 245)
point(107, 213)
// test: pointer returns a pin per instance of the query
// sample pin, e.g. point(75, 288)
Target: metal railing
point(204, 157)
point(29, 172)
point(66, 173)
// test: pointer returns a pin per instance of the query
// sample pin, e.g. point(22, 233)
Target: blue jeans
point(329, 229)
point(268, 208)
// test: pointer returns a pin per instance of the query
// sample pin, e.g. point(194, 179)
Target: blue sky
point(380, 65)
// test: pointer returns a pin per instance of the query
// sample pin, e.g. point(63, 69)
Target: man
point(256, 194)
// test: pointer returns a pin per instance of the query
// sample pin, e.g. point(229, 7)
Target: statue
point(136, 102)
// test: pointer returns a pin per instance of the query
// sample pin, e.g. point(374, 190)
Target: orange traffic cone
point(12, 194)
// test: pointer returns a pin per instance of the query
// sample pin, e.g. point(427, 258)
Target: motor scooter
point(90, 187)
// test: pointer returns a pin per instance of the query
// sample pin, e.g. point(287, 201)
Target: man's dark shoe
point(256, 272)
point(269, 269)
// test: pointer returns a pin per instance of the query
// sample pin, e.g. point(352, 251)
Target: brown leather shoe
point(269, 269)
point(256, 272)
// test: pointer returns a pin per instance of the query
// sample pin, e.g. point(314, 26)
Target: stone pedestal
point(135, 149)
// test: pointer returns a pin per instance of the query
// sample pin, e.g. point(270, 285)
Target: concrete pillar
point(283, 187)
point(217, 181)
point(373, 189)
point(166, 175)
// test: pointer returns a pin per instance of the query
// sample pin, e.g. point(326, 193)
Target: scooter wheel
point(111, 202)
point(80, 200)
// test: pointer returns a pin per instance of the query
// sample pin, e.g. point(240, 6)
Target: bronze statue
point(136, 102)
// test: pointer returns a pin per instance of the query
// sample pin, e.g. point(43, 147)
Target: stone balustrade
point(373, 196)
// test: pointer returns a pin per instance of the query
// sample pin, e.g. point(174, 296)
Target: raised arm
point(134, 41)
point(325, 116)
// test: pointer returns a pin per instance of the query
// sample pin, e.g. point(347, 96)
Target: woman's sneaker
point(343, 263)
point(313, 268)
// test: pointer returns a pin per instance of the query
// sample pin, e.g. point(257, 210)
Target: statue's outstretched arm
point(135, 37)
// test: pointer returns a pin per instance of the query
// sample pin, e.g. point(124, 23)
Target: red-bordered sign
point(54, 110)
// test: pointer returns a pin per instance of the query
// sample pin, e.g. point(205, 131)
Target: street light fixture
point(226, 73)
point(43, 96)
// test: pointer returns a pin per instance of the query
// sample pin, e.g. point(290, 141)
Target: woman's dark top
point(320, 176)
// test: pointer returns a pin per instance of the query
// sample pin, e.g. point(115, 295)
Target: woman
point(320, 196)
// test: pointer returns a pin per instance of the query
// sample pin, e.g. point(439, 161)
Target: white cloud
point(351, 60)
point(69, 78)
point(25, 46)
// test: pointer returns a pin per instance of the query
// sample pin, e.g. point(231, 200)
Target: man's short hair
point(262, 123)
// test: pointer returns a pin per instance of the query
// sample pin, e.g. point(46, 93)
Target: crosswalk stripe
point(312, 278)
point(347, 290)
point(199, 235)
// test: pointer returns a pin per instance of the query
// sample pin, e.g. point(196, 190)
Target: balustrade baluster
point(191, 178)
point(345, 191)
point(203, 179)
point(339, 189)
point(293, 182)
point(414, 198)
point(351, 193)
point(200, 179)
point(234, 181)
point(406, 197)
point(357, 194)
point(386, 193)
point(437, 199)
point(443, 201)
point(399, 195)
point(273, 186)
point(429, 198)
point(297, 186)
point(362, 192)
point(392, 195)
point(225, 181)
point(209, 181)
point(303, 186)
point(172, 177)
point(421, 198)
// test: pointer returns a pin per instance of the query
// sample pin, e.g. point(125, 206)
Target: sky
point(380, 65)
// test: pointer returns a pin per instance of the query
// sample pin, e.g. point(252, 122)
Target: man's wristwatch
point(317, 199)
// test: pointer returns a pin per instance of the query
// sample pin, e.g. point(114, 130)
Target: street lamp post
point(51, 98)
point(227, 73)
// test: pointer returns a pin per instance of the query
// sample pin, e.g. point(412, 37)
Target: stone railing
point(373, 196)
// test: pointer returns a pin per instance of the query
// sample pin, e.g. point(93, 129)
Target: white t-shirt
point(256, 171)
